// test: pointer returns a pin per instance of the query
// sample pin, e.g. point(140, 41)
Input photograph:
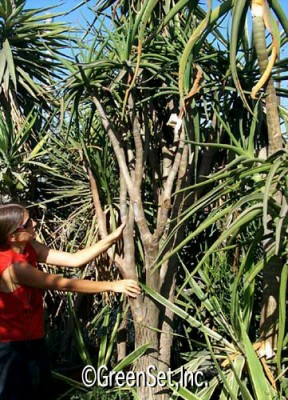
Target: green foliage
point(249, 204)
point(19, 155)
point(27, 66)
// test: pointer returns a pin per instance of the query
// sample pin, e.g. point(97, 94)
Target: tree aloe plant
point(117, 82)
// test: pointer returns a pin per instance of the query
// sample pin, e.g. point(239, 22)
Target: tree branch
point(97, 205)
point(134, 194)
point(116, 145)
point(102, 220)
point(168, 186)
point(138, 144)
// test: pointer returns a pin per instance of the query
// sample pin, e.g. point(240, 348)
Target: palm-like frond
point(27, 65)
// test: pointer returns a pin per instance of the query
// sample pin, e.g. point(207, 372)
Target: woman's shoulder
point(31, 253)
point(40, 249)
point(9, 256)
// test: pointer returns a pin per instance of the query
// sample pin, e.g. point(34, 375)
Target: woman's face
point(26, 231)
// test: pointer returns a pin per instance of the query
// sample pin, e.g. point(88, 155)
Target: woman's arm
point(25, 274)
point(81, 257)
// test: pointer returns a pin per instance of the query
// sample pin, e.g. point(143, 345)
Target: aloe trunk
point(272, 270)
point(271, 101)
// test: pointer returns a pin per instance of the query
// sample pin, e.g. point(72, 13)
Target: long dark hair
point(11, 216)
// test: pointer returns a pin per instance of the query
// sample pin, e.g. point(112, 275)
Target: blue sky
point(78, 17)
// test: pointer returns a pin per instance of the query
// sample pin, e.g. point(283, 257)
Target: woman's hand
point(127, 286)
point(114, 236)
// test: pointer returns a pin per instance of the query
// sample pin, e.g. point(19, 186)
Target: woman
point(24, 370)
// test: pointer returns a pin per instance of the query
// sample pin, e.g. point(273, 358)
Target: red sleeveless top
point(21, 311)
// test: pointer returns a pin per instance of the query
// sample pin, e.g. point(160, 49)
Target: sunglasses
point(24, 226)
